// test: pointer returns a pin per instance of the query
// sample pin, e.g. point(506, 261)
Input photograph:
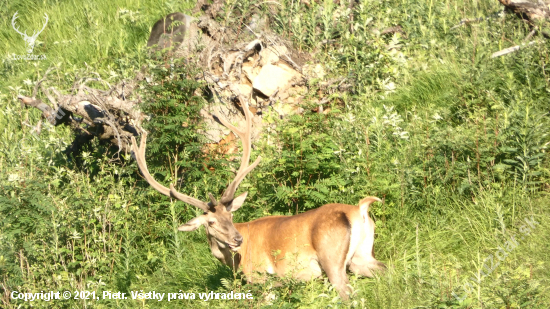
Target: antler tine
point(230, 191)
point(244, 135)
point(212, 200)
point(140, 158)
point(142, 164)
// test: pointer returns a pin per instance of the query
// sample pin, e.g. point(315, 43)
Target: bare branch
point(44, 78)
point(511, 49)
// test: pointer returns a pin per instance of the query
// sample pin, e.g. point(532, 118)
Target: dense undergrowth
point(454, 141)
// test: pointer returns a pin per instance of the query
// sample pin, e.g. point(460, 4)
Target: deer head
point(217, 216)
point(29, 40)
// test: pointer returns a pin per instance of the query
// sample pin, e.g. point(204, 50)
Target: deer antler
point(228, 195)
point(140, 158)
point(244, 135)
point(13, 25)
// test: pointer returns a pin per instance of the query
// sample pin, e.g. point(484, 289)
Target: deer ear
point(237, 202)
point(192, 225)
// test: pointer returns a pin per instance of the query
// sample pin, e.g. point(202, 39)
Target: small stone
point(273, 78)
point(316, 71)
point(271, 54)
point(249, 71)
point(243, 89)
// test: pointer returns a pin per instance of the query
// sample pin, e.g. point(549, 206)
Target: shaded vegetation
point(454, 141)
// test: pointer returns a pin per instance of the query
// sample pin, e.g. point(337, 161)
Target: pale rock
point(283, 95)
point(250, 71)
point(316, 71)
point(297, 100)
point(297, 91)
point(271, 54)
point(286, 109)
point(215, 131)
point(245, 89)
point(273, 77)
point(242, 89)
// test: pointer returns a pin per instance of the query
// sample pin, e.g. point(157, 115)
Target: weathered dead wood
point(105, 114)
point(511, 49)
point(529, 9)
point(393, 30)
point(467, 21)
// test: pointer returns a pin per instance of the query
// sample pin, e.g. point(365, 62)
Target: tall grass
point(454, 141)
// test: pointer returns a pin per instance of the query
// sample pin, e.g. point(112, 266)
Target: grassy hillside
point(455, 142)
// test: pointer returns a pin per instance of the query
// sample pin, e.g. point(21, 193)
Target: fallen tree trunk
point(106, 114)
point(529, 9)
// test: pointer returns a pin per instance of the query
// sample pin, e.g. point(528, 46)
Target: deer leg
point(365, 267)
point(363, 262)
point(337, 275)
point(332, 249)
point(309, 270)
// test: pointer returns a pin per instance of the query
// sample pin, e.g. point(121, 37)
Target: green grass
point(456, 143)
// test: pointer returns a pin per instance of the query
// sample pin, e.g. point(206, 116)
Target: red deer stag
point(331, 238)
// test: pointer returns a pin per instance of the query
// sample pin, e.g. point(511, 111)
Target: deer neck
point(224, 254)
